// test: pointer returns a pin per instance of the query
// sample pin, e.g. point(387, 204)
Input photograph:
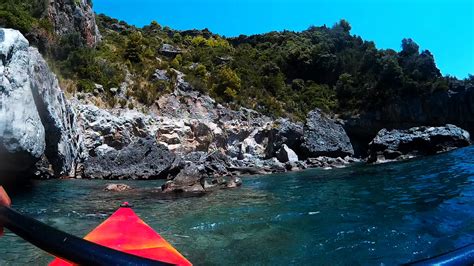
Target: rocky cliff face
point(35, 118)
point(74, 16)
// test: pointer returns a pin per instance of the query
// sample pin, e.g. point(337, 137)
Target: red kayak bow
point(125, 231)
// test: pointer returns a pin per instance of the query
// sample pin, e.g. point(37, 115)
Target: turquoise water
point(362, 215)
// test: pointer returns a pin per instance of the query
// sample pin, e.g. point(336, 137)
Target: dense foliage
point(23, 15)
point(280, 73)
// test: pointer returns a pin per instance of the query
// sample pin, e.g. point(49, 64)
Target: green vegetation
point(278, 73)
point(24, 15)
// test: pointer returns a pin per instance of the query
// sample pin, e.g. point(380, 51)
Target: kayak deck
point(126, 232)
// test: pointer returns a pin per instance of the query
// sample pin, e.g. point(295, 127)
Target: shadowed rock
point(284, 132)
point(143, 159)
point(170, 50)
point(190, 179)
point(454, 106)
point(286, 154)
point(324, 137)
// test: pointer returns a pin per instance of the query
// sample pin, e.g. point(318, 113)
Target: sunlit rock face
point(22, 135)
point(74, 16)
point(35, 117)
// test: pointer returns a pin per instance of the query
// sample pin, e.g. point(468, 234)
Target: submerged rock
point(234, 182)
point(324, 137)
point(396, 144)
point(329, 162)
point(117, 187)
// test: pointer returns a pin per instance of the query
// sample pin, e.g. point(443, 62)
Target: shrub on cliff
point(227, 84)
point(134, 49)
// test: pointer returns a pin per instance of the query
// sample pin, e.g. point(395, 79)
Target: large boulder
point(323, 136)
point(35, 117)
point(194, 178)
point(393, 144)
point(143, 159)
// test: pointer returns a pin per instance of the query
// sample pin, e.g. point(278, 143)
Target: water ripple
point(370, 215)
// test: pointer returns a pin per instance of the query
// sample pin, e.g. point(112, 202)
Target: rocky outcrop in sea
point(323, 136)
point(401, 144)
point(453, 106)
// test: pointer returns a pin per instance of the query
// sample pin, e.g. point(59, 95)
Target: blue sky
point(445, 27)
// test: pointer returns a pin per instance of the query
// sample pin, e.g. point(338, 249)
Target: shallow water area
point(391, 213)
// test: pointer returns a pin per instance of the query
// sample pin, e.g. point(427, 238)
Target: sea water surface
point(362, 215)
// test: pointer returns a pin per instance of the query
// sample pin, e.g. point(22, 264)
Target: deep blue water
point(362, 215)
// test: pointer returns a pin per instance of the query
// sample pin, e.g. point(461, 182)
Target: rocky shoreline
point(187, 138)
point(197, 144)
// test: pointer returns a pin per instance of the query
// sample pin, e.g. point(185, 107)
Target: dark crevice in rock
point(52, 133)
